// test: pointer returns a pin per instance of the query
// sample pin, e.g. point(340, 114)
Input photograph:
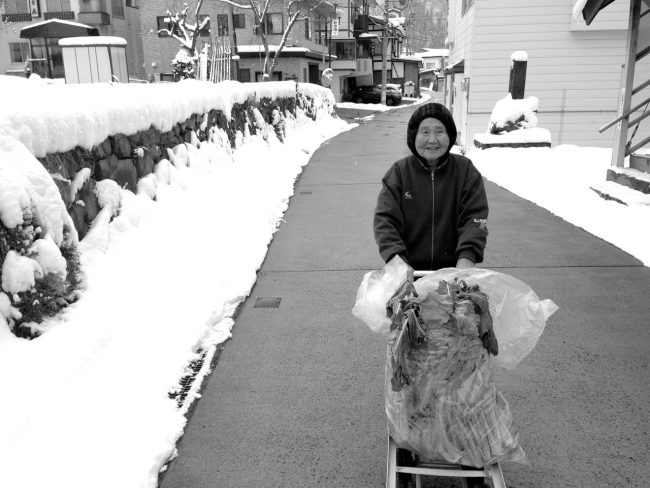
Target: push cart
point(436, 468)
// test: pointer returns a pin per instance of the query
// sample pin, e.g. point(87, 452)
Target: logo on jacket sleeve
point(407, 195)
point(482, 224)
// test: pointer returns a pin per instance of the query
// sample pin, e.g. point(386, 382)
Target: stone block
point(105, 168)
point(121, 146)
point(70, 162)
point(77, 213)
point(154, 151)
point(125, 174)
point(86, 194)
point(144, 165)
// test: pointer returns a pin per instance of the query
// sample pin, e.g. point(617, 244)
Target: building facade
point(304, 57)
point(573, 70)
point(120, 18)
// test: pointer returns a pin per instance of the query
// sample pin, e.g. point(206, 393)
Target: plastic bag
point(441, 401)
point(375, 290)
point(519, 315)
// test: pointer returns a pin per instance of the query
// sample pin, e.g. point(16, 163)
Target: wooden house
point(574, 70)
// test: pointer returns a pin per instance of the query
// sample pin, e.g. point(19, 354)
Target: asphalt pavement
point(296, 398)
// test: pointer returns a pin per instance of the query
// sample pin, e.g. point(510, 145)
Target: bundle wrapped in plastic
point(445, 331)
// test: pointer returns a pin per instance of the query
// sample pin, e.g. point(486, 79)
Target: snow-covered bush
point(39, 261)
point(509, 114)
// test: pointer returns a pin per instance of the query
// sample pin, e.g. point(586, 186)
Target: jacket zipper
point(433, 213)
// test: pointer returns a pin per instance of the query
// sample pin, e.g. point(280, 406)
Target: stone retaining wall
point(126, 159)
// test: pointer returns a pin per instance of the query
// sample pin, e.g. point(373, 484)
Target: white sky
point(85, 405)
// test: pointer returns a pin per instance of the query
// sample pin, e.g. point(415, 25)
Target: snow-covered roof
point(93, 41)
point(432, 52)
point(56, 21)
point(258, 48)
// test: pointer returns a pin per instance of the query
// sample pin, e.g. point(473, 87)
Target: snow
point(93, 41)
point(19, 273)
point(162, 279)
point(519, 56)
point(28, 191)
point(508, 109)
point(49, 257)
point(87, 401)
point(577, 9)
point(562, 180)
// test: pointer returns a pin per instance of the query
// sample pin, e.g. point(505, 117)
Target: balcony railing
point(59, 15)
point(17, 17)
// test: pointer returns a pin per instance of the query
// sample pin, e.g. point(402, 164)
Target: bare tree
point(184, 64)
point(295, 10)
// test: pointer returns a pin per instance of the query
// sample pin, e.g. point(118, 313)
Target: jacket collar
point(441, 163)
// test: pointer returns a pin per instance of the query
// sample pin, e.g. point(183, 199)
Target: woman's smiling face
point(431, 140)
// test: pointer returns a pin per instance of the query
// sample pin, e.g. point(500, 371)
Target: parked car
point(372, 94)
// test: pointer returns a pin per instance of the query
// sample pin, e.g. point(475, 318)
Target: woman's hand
point(464, 263)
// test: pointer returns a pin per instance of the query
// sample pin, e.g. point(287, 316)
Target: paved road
point(296, 399)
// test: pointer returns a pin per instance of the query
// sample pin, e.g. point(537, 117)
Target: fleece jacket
point(432, 217)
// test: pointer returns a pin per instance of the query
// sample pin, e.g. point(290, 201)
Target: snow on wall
point(58, 117)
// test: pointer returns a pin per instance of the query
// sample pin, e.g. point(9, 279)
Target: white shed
point(94, 59)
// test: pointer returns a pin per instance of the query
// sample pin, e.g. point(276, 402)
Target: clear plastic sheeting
point(519, 316)
point(445, 332)
point(375, 290)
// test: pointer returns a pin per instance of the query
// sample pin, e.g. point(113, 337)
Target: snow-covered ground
point(562, 180)
point(85, 404)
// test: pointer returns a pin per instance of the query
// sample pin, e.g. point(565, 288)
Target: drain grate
point(185, 384)
point(305, 193)
point(267, 303)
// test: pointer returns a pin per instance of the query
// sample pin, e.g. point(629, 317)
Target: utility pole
point(384, 47)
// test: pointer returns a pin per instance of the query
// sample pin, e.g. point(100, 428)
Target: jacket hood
point(437, 111)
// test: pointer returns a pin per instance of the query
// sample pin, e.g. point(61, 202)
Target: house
point(433, 62)
point(358, 49)
point(43, 55)
point(573, 69)
point(305, 55)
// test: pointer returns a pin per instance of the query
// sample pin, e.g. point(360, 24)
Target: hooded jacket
point(432, 217)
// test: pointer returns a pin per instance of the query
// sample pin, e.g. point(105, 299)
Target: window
point(164, 22)
point(19, 51)
point(244, 75)
point(58, 6)
point(308, 33)
point(205, 32)
point(239, 21)
point(222, 25)
point(272, 24)
point(17, 7)
point(118, 8)
point(344, 50)
point(466, 5)
point(132, 3)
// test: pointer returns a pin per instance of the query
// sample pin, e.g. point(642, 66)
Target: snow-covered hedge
point(65, 150)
